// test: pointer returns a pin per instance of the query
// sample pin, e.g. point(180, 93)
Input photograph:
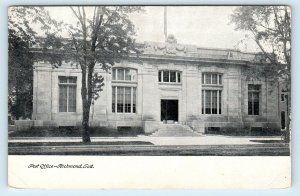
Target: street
point(272, 149)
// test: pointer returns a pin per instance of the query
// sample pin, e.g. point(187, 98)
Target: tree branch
point(96, 29)
point(84, 16)
point(262, 49)
point(94, 14)
point(277, 22)
point(74, 12)
point(79, 13)
point(76, 48)
point(77, 16)
point(108, 19)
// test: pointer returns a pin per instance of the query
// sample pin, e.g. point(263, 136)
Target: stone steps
point(174, 130)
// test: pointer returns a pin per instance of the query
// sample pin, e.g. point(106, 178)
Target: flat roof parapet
point(171, 48)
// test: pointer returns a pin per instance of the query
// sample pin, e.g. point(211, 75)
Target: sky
point(204, 26)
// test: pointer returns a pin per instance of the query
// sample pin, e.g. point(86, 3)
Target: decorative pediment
point(170, 47)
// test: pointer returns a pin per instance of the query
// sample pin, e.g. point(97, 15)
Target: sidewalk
point(161, 141)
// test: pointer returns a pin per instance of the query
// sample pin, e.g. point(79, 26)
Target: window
point(212, 96)
point(124, 93)
point(282, 120)
point(253, 99)
point(169, 76)
point(211, 101)
point(67, 94)
point(124, 74)
point(212, 78)
point(172, 76)
point(166, 76)
point(282, 97)
point(178, 77)
point(159, 76)
point(123, 99)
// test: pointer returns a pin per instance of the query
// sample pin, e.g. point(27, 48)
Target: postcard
point(149, 97)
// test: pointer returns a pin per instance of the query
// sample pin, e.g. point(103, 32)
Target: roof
point(174, 50)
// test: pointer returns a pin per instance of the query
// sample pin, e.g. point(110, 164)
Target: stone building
point(283, 106)
point(199, 88)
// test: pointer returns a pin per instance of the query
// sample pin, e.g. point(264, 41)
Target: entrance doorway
point(169, 109)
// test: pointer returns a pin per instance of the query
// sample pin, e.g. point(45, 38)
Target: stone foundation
point(197, 126)
point(28, 124)
point(150, 126)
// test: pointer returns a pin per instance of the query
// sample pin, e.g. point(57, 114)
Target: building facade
point(203, 88)
point(283, 106)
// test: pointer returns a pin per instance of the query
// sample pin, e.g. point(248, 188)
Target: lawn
point(49, 144)
point(243, 132)
point(76, 132)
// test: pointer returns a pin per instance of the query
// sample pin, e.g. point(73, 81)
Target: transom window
point(253, 99)
point(123, 99)
point(211, 101)
point(169, 76)
point(67, 94)
point(211, 78)
point(124, 74)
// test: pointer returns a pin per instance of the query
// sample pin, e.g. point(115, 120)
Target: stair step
point(174, 130)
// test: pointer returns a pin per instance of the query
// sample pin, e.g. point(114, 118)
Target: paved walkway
point(200, 140)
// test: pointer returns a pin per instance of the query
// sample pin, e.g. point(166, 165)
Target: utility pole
point(165, 23)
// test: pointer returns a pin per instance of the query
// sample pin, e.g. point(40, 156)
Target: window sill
point(124, 81)
point(123, 113)
point(212, 85)
point(212, 114)
point(124, 84)
point(170, 83)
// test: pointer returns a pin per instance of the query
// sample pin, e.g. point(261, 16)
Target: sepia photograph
point(150, 81)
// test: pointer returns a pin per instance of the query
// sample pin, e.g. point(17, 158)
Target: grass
point(77, 132)
point(269, 141)
point(26, 144)
point(243, 132)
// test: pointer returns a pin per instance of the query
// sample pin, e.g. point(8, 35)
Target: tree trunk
point(86, 109)
point(288, 111)
point(85, 124)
